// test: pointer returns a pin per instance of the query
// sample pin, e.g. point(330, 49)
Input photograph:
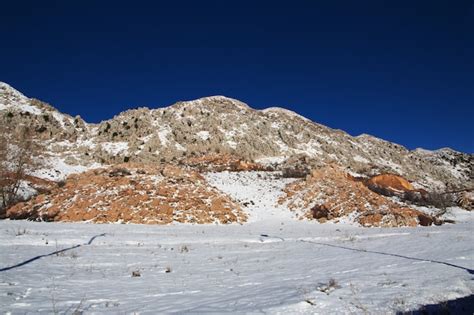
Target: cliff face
point(223, 125)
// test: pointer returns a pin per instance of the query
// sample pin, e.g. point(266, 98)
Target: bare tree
point(18, 157)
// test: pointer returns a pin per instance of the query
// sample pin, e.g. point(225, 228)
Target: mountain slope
point(219, 124)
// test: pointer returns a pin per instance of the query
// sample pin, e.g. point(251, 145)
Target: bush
point(120, 172)
point(440, 200)
point(19, 156)
point(320, 212)
point(430, 199)
point(295, 172)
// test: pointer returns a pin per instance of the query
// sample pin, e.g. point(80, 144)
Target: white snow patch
point(360, 159)
point(57, 169)
point(284, 111)
point(115, 148)
point(310, 148)
point(59, 117)
point(257, 191)
point(147, 138)
point(28, 108)
point(270, 160)
point(25, 191)
point(232, 144)
point(204, 135)
point(163, 135)
point(179, 147)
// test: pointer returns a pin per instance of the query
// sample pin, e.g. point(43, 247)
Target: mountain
point(217, 124)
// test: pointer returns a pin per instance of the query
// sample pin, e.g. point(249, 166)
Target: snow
point(179, 147)
point(28, 108)
point(327, 139)
point(389, 163)
point(163, 135)
point(360, 159)
point(282, 145)
point(57, 169)
point(89, 143)
point(257, 191)
point(59, 117)
point(22, 106)
point(219, 98)
point(6, 88)
point(25, 191)
point(310, 148)
point(271, 160)
point(115, 147)
point(232, 144)
point(221, 269)
point(16, 101)
point(204, 135)
point(147, 138)
point(284, 111)
point(423, 151)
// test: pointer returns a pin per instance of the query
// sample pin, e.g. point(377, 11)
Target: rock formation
point(329, 193)
point(133, 193)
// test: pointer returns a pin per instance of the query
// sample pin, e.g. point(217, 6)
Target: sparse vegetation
point(184, 249)
point(21, 231)
point(435, 199)
point(328, 287)
point(136, 274)
point(295, 172)
point(18, 157)
point(119, 172)
point(430, 199)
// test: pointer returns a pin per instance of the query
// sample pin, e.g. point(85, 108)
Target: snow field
point(232, 268)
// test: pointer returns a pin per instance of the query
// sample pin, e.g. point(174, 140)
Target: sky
point(399, 70)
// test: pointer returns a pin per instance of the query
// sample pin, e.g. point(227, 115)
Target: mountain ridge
point(276, 109)
point(218, 124)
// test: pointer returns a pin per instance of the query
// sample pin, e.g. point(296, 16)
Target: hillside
point(222, 125)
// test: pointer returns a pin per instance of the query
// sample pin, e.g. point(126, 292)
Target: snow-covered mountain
point(218, 124)
point(240, 233)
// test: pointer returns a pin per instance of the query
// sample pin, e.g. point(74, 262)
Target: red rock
point(135, 197)
point(338, 195)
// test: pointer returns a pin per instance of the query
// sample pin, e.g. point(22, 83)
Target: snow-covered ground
point(257, 191)
point(273, 264)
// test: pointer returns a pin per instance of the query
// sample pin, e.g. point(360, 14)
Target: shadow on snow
point(51, 254)
point(470, 271)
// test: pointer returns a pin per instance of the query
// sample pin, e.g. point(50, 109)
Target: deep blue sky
point(399, 70)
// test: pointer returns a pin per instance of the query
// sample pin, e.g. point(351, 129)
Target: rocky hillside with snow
point(132, 193)
point(222, 125)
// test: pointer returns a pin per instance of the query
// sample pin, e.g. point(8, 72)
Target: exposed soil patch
point(133, 194)
point(329, 193)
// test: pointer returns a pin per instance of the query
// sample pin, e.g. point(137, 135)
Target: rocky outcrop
point(391, 182)
point(220, 163)
point(133, 193)
point(329, 193)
